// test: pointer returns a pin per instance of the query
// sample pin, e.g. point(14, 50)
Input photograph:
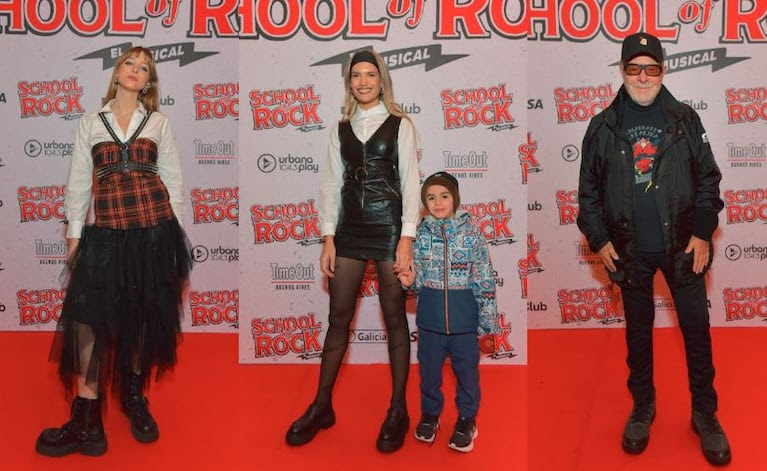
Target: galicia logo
point(429, 55)
point(184, 53)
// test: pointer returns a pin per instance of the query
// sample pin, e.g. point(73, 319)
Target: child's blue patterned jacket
point(469, 303)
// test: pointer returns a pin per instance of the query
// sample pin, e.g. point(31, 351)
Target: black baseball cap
point(641, 44)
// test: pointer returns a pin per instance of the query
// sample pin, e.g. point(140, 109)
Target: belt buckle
point(357, 173)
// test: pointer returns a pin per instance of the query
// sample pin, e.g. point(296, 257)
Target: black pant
point(692, 314)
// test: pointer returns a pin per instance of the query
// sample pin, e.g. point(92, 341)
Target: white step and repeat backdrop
point(464, 87)
point(57, 60)
point(500, 91)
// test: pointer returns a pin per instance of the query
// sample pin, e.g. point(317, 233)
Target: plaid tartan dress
point(130, 198)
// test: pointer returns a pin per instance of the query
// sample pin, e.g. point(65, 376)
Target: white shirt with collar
point(91, 131)
point(364, 123)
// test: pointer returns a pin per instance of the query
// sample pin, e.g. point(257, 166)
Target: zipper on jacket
point(444, 242)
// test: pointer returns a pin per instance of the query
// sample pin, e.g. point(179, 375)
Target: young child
point(456, 302)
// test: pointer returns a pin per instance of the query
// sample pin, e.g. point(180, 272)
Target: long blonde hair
point(387, 92)
point(150, 99)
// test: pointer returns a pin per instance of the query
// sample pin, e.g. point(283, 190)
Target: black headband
point(364, 56)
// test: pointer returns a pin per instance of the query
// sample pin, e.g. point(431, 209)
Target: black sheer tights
point(343, 301)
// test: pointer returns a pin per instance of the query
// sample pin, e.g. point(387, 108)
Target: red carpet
point(578, 401)
point(217, 415)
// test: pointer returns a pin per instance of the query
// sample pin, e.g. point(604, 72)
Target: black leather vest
point(371, 193)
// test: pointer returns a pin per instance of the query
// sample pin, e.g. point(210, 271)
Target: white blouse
point(90, 132)
point(364, 123)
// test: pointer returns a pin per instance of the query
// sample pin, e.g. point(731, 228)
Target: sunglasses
point(652, 70)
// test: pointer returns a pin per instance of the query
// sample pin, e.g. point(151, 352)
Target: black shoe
point(636, 434)
point(304, 429)
point(393, 430)
point(142, 425)
point(463, 436)
point(84, 433)
point(713, 441)
point(427, 428)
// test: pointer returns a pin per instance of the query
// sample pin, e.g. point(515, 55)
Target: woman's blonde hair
point(150, 99)
point(387, 92)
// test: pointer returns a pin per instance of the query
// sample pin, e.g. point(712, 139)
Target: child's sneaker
point(427, 428)
point(464, 433)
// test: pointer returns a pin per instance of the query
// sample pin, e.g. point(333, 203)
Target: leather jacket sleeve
point(707, 200)
point(590, 218)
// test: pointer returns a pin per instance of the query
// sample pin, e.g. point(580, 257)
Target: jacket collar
point(672, 108)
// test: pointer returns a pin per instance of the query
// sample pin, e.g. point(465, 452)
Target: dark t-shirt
point(644, 126)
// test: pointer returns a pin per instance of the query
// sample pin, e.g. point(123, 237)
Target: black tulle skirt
point(122, 310)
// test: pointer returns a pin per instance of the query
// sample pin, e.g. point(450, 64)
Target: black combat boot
point(84, 433)
point(142, 425)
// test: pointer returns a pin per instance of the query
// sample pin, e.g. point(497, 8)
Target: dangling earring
point(145, 90)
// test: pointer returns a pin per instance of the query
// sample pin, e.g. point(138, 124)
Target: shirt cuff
point(408, 230)
point(74, 229)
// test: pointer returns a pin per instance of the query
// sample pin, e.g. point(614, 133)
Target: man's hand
point(699, 248)
point(607, 254)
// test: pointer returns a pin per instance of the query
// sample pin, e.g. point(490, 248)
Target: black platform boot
point(393, 430)
point(84, 433)
point(142, 425)
point(304, 429)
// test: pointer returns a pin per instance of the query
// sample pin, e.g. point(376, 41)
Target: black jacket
point(686, 180)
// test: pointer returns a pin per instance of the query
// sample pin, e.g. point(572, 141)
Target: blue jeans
point(433, 348)
point(692, 314)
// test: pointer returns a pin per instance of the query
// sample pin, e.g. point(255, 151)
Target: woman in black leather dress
point(369, 197)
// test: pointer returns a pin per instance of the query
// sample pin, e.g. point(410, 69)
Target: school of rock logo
point(51, 253)
point(286, 221)
point(745, 303)
point(211, 205)
point(294, 107)
point(51, 97)
point(215, 307)
point(41, 203)
point(586, 304)
point(220, 152)
point(493, 220)
point(527, 161)
point(567, 203)
point(744, 206)
point(746, 105)
point(279, 336)
point(39, 306)
point(296, 277)
point(579, 104)
point(34, 148)
point(751, 155)
point(469, 107)
point(216, 100)
point(472, 164)
point(503, 347)
point(529, 264)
